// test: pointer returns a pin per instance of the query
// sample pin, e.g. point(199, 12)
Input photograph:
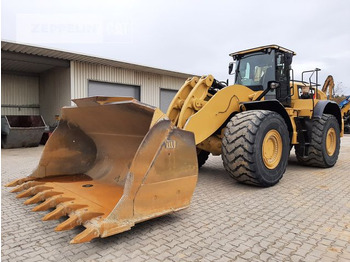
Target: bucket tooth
point(25, 186)
point(86, 236)
point(77, 218)
point(19, 181)
point(70, 223)
point(41, 196)
point(25, 193)
point(51, 202)
point(56, 214)
point(63, 209)
point(35, 199)
point(33, 191)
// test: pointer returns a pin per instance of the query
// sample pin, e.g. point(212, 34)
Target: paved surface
point(306, 217)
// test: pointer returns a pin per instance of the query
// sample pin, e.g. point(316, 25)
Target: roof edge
point(30, 49)
point(256, 49)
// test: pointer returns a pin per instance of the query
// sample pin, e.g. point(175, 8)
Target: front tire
point(325, 143)
point(255, 147)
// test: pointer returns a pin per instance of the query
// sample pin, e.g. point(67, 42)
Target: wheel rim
point(272, 149)
point(331, 142)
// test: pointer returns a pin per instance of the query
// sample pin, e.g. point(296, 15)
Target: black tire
point(242, 147)
point(318, 155)
point(202, 157)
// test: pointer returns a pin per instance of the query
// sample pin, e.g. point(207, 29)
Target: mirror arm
point(265, 92)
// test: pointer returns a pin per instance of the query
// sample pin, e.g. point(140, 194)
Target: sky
point(194, 37)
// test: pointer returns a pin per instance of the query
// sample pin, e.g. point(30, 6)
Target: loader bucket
point(111, 163)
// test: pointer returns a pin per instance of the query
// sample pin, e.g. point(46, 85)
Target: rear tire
point(255, 147)
point(202, 156)
point(325, 143)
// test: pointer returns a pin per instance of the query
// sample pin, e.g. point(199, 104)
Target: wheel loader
point(114, 162)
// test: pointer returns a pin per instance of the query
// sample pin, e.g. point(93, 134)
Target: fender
point(272, 105)
point(328, 107)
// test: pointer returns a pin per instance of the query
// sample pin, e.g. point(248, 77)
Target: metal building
point(36, 80)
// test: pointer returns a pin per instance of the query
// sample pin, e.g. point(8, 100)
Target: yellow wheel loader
point(254, 123)
point(114, 162)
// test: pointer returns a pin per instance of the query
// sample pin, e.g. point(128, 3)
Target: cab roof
point(257, 49)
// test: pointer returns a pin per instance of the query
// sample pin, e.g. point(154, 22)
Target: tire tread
point(238, 146)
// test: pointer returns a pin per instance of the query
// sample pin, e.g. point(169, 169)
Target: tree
point(339, 89)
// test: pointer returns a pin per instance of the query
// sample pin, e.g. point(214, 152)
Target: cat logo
point(170, 144)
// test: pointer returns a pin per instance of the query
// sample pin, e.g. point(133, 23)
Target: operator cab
point(263, 66)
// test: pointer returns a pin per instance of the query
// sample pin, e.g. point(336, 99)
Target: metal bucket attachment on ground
point(111, 163)
point(21, 131)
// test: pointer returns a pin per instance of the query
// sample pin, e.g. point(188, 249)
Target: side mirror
point(273, 85)
point(230, 68)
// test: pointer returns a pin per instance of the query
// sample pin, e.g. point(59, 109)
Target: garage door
point(111, 89)
point(166, 95)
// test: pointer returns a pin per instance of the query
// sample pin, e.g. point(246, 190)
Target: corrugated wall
point(150, 83)
point(19, 95)
point(54, 93)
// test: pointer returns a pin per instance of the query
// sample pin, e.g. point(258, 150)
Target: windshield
point(255, 70)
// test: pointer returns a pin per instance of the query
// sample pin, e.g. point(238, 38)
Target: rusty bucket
point(111, 163)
